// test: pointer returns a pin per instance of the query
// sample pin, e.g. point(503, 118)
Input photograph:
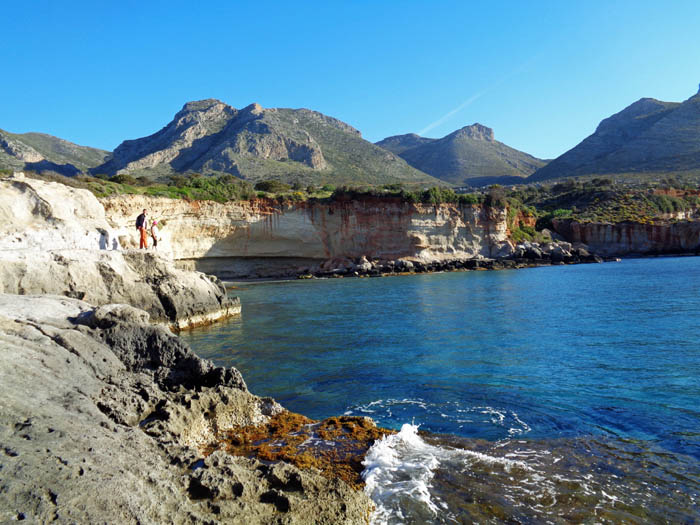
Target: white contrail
point(449, 114)
point(471, 99)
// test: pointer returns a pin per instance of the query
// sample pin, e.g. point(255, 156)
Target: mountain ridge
point(254, 143)
point(43, 152)
point(649, 135)
point(468, 156)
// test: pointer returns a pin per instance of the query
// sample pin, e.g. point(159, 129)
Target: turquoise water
point(577, 359)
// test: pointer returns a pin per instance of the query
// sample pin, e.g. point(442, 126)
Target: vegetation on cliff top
point(605, 200)
point(225, 188)
point(531, 208)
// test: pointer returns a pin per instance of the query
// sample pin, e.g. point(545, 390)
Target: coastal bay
point(591, 364)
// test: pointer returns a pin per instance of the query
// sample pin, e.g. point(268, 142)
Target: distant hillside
point(43, 153)
point(255, 143)
point(648, 136)
point(468, 156)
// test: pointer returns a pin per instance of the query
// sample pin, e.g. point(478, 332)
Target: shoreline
point(230, 284)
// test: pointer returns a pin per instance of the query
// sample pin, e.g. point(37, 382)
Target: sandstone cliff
point(633, 238)
point(228, 238)
point(55, 240)
point(104, 419)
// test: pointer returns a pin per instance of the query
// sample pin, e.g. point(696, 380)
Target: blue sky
point(541, 73)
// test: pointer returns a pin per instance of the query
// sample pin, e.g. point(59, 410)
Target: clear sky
point(541, 73)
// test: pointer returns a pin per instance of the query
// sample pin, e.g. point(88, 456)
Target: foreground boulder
point(104, 419)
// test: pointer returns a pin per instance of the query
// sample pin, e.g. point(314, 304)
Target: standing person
point(141, 226)
point(154, 234)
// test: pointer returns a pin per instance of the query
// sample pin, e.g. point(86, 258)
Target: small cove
point(571, 361)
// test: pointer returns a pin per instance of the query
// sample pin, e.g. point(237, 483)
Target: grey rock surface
point(144, 279)
point(102, 420)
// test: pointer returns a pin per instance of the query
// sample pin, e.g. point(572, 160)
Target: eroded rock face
point(174, 297)
point(103, 419)
point(208, 231)
point(628, 238)
point(55, 240)
point(50, 216)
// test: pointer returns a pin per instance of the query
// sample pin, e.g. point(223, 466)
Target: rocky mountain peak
point(201, 105)
point(253, 109)
point(476, 132)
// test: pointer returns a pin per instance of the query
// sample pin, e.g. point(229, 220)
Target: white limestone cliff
point(381, 229)
point(55, 239)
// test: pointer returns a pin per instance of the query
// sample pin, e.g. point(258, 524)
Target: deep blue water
point(547, 352)
point(589, 374)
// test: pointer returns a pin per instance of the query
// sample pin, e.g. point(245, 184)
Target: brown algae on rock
point(336, 446)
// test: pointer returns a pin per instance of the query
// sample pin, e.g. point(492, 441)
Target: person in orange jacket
point(142, 227)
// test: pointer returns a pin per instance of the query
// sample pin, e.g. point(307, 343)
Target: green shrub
point(519, 235)
point(469, 198)
point(561, 213)
point(272, 186)
point(124, 179)
point(496, 197)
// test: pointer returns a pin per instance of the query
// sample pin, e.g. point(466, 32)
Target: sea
point(559, 394)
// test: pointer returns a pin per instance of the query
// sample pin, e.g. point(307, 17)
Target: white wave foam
point(397, 468)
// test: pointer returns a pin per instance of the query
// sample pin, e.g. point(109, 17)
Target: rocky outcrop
point(46, 216)
point(225, 238)
point(106, 419)
point(174, 297)
point(19, 150)
point(468, 156)
point(56, 240)
point(632, 238)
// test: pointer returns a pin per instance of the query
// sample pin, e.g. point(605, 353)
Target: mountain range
point(257, 143)
point(470, 156)
point(211, 137)
point(301, 145)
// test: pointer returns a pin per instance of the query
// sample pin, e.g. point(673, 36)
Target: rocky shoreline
point(107, 418)
point(525, 255)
